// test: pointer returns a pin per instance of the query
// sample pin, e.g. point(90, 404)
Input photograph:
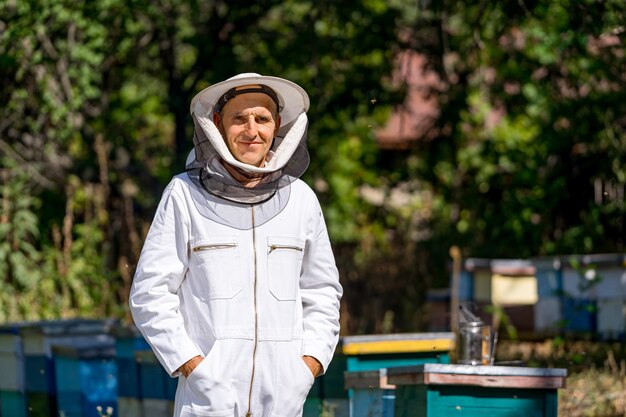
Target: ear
point(216, 119)
point(277, 125)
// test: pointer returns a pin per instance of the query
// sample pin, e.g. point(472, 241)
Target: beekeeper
point(236, 289)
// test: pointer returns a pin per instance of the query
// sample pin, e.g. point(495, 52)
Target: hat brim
point(292, 98)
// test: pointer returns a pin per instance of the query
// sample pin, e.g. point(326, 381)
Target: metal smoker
point(474, 340)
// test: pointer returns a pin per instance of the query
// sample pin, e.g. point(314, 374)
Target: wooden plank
point(495, 381)
point(411, 378)
point(486, 376)
point(367, 380)
point(478, 370)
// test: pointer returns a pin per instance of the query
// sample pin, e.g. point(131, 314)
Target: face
point(248, 124)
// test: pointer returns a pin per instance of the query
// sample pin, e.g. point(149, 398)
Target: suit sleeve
point(320, 290)
point(154, 301)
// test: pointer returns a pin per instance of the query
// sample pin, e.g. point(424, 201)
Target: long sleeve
point(154, 302)
point(321, 292)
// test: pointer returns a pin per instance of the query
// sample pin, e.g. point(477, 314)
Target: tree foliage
point(531, 156)
point(526, 157)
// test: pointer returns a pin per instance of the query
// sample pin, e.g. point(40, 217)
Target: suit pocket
point(218, 263)
point(284, 263)
point(294, 380)
point(207, 391)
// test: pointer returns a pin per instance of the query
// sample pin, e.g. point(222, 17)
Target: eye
point(263, 119)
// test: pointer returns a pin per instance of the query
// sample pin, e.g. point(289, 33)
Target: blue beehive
point(582, 294)
point(152, 377)
point(476, 391)
point(579, 315)
point(372, 395)
point(373, 352)
point(38, 338)
point(12, 395)
point(27, 383)
point(128, 341)
point(86, 379)
point(12, 404)
point(368, 355)
point(156, 387)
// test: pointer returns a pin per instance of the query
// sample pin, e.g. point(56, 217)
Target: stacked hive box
point(475, 391)
point(82, 368)
point(144, 387)
point(29, 386)
point(582, 294)
point(12, 393)
point(548, 316)
point(574, 294)
point(369, 357)
point(156, 387)
point(509, 284)
point(39, 339)
point(371, 394)
point(86, 380)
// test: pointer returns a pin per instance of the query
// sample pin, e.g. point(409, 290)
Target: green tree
point(95, 103)
point(19, 257)
point(529, 160)
point(526, 157)
point(56, 59)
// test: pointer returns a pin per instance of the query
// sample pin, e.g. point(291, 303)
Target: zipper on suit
point(289, 247)
point(214, 246)
point(256, 321)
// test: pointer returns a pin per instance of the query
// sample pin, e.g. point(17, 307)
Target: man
point(236, 289)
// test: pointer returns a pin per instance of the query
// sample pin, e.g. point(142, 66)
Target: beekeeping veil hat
point(217, 194)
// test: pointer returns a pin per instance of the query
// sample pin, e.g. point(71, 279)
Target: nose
point(252, 128)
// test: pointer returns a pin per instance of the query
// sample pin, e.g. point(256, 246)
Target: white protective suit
point(251, 301)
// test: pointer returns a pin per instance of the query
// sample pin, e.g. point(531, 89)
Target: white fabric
point(292, 98)
point(190, 302)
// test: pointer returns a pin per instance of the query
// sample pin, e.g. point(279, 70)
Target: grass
point(596, 381)
point(594, 393)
